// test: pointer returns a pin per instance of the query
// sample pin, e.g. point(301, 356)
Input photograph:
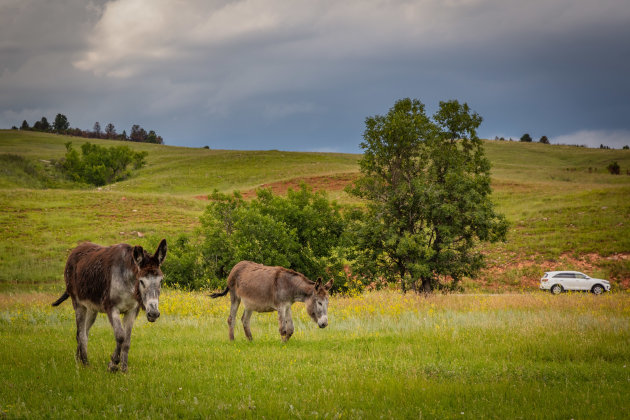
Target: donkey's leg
point(288, 324)
point(247, 314)
point(119, 333)
point(281, 327)
point(128, 321)
point(235, 301)
point(89, 320)
point(80, 313)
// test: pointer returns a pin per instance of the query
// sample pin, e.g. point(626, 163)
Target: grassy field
point(384, 355)
point(566, 210)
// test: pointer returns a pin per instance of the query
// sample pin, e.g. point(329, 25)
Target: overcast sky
point(304, 74)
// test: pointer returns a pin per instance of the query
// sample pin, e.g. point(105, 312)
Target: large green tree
point(426, 182)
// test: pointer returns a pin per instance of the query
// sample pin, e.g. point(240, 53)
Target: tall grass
point(383, 355)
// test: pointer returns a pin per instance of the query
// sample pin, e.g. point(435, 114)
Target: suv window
point(564, 276)
point(580, 276)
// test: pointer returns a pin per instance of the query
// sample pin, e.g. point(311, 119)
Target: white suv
point(559, 281)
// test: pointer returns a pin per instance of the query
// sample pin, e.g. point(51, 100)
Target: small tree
point(626, 147)
point(614, 168)
point(526, 138)
point(544, 140)
point(427, 186)
point(97, 130)
point(152, 137)
point(61, 124)
point(100, 165)
point(41, 125)
point(25, 125)
point(110, 131)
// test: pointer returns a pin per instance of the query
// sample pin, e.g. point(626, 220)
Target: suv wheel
point(597, 289)
point(556, 289)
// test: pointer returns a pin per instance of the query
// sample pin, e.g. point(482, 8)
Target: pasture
point(519, 353)
point(566, 211)
point(384, 355)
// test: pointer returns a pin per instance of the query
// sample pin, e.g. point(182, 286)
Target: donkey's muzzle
point(152, 316)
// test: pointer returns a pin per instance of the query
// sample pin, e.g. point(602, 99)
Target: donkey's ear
point(328, 285)
point(318, 283)
point(160, 254)
point(138, 254)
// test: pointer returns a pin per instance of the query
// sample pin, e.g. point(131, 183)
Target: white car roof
point(563, 271)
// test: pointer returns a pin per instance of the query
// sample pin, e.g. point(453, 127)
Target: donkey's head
point(317, 303)
point(149, 278)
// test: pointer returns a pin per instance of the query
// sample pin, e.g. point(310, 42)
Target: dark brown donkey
point(119, 279)
point(267, 289)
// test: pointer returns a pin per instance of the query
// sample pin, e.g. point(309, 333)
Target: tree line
point(61, 125)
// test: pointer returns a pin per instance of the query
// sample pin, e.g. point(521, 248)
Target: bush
point(614, 168)
point(100, 165)
point(526, 138)
point(183, 268)
point(302, 231)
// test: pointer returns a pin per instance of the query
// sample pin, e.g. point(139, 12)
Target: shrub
point(302, 231)
point(614, 168)
point(526, 138)
point(100, 165)
point(184, 267)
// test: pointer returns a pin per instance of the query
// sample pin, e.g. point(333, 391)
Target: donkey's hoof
point(112, 367)
point(123, 368)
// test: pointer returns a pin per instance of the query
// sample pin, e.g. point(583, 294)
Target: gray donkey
point(266, 289)
point(119, 279)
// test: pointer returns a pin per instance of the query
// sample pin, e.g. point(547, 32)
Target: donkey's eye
point(142, 283)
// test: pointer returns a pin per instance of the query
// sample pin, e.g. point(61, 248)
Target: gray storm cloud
point(305, 74)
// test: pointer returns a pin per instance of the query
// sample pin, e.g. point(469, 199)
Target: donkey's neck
point(303, 289)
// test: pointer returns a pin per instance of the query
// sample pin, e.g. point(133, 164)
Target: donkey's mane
point(295, 273)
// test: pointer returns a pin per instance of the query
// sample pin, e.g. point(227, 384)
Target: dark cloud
point(304, 75)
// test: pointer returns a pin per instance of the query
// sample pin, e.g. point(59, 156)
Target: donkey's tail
point(219, 294)
point(61, 299)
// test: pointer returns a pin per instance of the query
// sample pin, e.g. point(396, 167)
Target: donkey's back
point(255, 283)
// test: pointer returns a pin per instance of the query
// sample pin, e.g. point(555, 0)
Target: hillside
point(566, 210)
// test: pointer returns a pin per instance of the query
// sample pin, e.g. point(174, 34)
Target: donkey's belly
point(253, 305)
point(95, 307)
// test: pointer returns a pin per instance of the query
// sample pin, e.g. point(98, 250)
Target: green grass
point(383, 355)
point(560, 200)
point(189, 171)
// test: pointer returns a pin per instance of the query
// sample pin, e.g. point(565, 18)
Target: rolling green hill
point(566, 210)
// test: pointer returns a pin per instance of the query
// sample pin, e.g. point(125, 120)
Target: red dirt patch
point(335, 182)
point(522, 267)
